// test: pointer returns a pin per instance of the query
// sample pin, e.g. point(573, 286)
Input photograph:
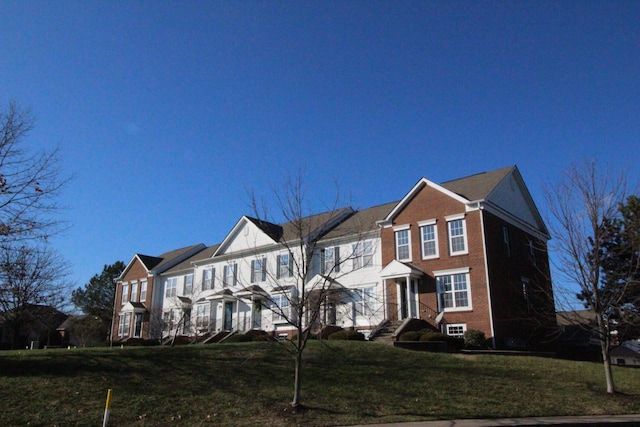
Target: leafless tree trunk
point(578, 205)
point(302, 307)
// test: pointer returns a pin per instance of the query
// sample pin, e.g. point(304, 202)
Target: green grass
point(251, 384)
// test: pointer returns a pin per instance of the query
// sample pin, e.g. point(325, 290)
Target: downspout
point(486, 272)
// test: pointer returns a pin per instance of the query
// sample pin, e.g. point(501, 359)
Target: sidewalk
point(590, 420)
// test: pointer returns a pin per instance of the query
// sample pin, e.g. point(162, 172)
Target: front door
point(257, 315)
point(228, 316)
point(404, 308)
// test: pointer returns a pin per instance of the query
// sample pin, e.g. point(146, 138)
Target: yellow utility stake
point(107, 409)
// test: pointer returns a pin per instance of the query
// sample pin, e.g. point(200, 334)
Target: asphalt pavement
point(582, 421)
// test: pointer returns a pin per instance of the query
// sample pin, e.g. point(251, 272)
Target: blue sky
point(168, 112)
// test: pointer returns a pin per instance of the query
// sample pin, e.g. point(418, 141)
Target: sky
point(168, 113)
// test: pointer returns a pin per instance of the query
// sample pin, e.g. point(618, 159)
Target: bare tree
point(30, 276)
point(302, 307)
point(29, 182)
point(580, 204)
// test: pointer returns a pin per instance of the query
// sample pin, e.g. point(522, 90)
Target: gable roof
point(188, 263)
point(360, 222)
point(478, 186)
point(160, 263)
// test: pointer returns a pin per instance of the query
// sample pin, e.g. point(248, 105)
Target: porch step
point(384, 334)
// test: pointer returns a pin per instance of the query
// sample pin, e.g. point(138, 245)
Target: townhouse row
point(465, 254)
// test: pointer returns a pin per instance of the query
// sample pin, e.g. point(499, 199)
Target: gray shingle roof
point(362, 221)
point(478, 186)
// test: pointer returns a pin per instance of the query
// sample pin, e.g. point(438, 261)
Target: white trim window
point(188, 284)
point(456, 329)
point(258, 270)
point(124, 325)
point(429, 239)
point(143, 291)
point(170, 287)
point(506, 241)
point(453, 290)
point(208, 279)
point(457, 228)
point(362, 254)
point(280, 307)
point(230, 276)
point(134, 291)
point(203, 315)
point(403, 243)
point(125, 293)
point(331, 260)
point(363, 298)
point(284, 266)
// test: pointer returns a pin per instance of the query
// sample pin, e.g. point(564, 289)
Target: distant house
point(32, 326)
point(625, 355)
point(577, 338)
point(466, 254)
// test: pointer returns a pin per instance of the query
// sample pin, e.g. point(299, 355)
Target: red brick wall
point(529, 319)
point(136, 272)
point(427, 204)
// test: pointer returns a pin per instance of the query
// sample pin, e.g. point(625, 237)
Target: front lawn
point(251, 384)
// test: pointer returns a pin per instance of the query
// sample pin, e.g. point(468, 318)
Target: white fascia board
point(230, 235)
point(386, 222)
point(506, 216)
point(126, 269)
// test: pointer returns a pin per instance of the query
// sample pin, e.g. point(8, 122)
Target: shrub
point(347, 335)
point(326, 331)
point(410, 336)
point(239, 338)
point(433, 336)
point(474, 339)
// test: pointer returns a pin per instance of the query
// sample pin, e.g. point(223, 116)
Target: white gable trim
point(233, 233)
point(398, 269)
point(385, 223)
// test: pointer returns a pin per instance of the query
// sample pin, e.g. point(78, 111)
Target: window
point(230, 275)
point(123, 325)
point(363, 298)
point(134, 291)
point(362, 254)
point(506, 241)
point(532, 252)
point(170, 287)
point(280, 307)
point(457, 236)
point(258, 270)
point(188, 284)
point(207, 279)
point(202, 316)
point(331, 260)
point(285, 266)
point(456, 329)
point(453, 290)
point(125, 293)
point(403, 245)
point(429, 239)
point(143, 291)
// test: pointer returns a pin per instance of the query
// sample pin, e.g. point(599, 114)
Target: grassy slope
point(251, 384)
